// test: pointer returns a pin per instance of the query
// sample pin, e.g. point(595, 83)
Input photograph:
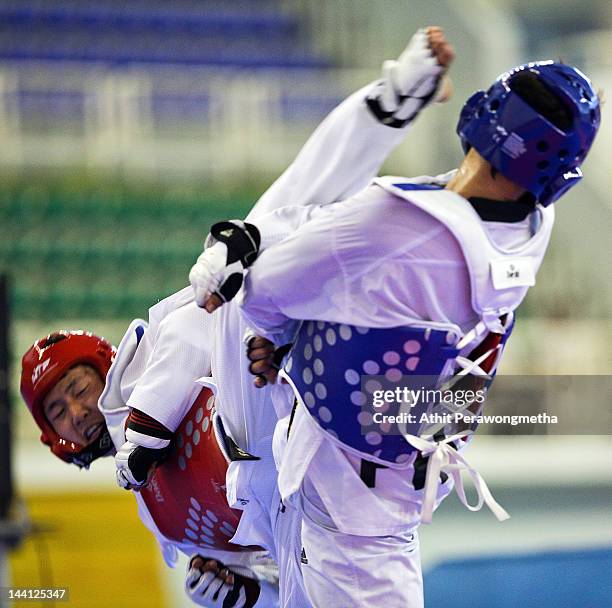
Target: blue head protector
point(520, 143)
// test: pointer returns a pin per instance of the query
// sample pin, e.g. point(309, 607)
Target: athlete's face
point(71, 406)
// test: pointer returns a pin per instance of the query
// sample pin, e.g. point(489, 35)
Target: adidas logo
point(303, 557)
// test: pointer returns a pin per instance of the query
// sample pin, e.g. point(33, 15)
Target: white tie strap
point(443, 457)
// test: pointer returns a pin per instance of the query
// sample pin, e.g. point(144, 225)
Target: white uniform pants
point(288, 544)
point(360, 543)
point(349, 571)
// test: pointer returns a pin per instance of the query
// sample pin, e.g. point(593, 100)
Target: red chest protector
point(186, 496)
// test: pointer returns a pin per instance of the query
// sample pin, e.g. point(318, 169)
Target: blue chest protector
point(326, 365)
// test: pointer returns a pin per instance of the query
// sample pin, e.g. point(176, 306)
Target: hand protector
point(212, 589)
point(135, 464)
point(147, 445)
point(408, 84)
point(230, 248)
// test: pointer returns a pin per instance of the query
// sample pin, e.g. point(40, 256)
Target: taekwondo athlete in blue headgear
point(410, 276)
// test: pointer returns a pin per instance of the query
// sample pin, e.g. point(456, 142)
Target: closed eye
point(56, 412)
point(81, 390)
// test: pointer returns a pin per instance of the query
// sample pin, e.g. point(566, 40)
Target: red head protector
point(43, 365)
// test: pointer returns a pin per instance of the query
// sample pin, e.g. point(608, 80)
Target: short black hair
point(542, 99)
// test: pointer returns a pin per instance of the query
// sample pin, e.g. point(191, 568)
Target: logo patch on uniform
point(514, 146)
point(157, 493)
point(303, 557)
point(512, 272)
